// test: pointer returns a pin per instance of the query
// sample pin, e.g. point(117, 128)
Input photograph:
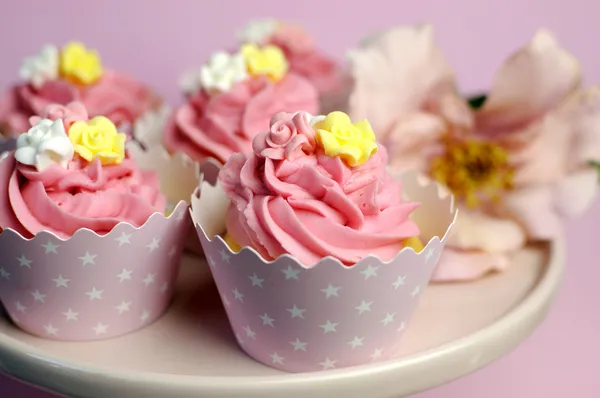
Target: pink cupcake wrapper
point(300, 319)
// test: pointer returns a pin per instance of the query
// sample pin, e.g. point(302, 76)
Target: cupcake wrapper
point(300, 319)
point(149, 127)
point(89, 286)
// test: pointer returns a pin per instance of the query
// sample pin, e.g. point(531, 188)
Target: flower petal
point(576, 193)
point(478, 231)
point(395, 73)
point(458, 265)
point(532, 81)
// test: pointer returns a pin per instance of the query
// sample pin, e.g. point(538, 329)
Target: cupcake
point(299, 48)
point(231, 99)
point(75, 73)
point(89, 249)
point(319, 255)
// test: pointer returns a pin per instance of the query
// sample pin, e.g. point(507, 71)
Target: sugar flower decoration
point(354, 143)
point(80, 65)
point(98, 138)
point(44, 144)
point(223, 71)
point(259, 31)
point(269, 61)
point(41, 67)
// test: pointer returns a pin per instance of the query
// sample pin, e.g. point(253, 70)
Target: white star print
point(225, 301)
point(298, 345)
point(95, 294)
point(164, 287)
point(331, 291)
point(60, 281)
point(296, 312)
point(249, 332)
point(429, 254)
point(256, 281)
point(364, 306)
point(276, 358)
point(20, 307)
point(125, 275)
point(224, 256)
point(399, 282)
point(172, 252)
point(237, 295)
point(100, 329)
point(356, 342)
point(388, 319)
point(239, 339)
point(38, 296)
point(71, 315)
point(290, 273)
point(88, 258)
point(416, 291)
point(329, 326)
point(4, 273)
point(179, 216)
point(327, 364)
point(50, 247)
point(402, 327)
point(153, 245)
point(377, 353)
point(145, 316)
point(369, 271)
point(51, 330)
point(123, 307)
point(149, 279)
point(24, 262)
point(123, 239)
point(211, 262)
point(267, 320)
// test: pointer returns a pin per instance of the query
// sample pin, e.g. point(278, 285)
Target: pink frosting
point(306, 60)
point(289, 197)
point(115, 96)
point(220, 125)
point(84, 195)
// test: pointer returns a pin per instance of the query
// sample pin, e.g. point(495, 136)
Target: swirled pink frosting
point(116, 96)
point(306, 59)
point(84, 195)
point(289, 197)
point(220, 125)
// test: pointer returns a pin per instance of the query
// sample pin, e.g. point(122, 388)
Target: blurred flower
point(41, 67)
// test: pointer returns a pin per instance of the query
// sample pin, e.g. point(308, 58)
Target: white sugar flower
point(258, 31)
point(222, 71)
point(44, 144)
point(41, 67)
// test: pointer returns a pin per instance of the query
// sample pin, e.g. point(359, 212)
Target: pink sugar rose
point(537, 113)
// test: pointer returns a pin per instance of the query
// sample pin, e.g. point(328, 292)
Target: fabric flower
point(41, 67)
point(352, 142)
point(98, 138)
point(80, 65)
point(45, 143)
point(519, 165)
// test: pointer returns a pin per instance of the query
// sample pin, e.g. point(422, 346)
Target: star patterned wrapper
point(301, 319)
point(90, 286)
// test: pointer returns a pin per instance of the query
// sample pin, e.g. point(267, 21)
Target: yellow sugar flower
point(268, 61)
point(80, 65)
point(98, 138)
point(338, 136)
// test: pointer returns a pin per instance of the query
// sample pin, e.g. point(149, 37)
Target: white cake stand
point(191, 353)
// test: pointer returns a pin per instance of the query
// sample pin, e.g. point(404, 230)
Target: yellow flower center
point(98, 138)
point(80, 65)
point(473, 170)
point(354, 143)
point(267, 61)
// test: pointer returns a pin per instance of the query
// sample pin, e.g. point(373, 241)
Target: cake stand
point(191, 352)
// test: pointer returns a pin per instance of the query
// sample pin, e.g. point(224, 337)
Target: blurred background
point(157, 40)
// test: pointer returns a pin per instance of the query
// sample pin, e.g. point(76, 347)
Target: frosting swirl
point(218, 125)
point(62, 198)
point(288, 196)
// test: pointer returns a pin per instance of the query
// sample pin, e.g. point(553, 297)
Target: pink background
point(158, 41)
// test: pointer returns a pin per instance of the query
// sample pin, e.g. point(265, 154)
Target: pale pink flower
point(536, 111)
